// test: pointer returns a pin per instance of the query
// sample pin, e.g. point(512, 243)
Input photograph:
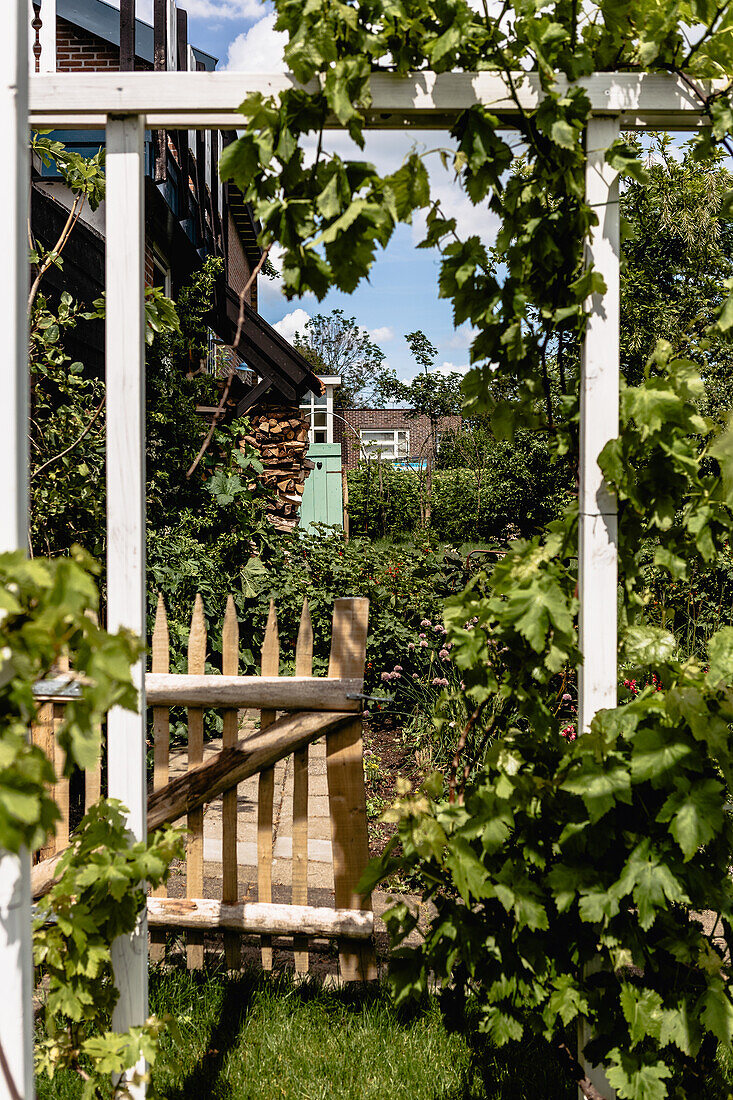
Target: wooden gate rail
point(294, 712)
point(255, 918)
point(267, 692)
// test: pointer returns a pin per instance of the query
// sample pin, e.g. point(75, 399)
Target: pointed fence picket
point(292, 713)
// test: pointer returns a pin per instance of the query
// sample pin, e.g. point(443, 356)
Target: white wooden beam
point(599, 409)
point(125, 381)
point(205, 100)
point(16, 967)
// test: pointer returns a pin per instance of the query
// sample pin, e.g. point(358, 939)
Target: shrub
point(518, 487)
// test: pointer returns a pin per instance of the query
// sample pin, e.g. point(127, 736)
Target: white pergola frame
point(124, 104)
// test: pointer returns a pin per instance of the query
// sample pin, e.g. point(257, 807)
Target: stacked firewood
point(280, 435)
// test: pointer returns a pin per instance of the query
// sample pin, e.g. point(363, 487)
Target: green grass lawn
point(269, 1039)
point(259, 1038)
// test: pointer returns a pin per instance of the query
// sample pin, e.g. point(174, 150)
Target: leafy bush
point(517, 488)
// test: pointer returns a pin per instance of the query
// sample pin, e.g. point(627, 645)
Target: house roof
point(103, 20)
point(281, 368)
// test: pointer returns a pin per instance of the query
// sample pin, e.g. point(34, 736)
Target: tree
point(429, 394)
point(678, 258)
point(335, 344)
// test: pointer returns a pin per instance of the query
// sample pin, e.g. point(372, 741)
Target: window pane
point(319, 419)
point(377, 437)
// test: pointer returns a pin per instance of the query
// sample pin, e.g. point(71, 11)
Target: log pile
point(280, 435)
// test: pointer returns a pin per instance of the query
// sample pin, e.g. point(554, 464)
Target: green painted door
point(323, 497)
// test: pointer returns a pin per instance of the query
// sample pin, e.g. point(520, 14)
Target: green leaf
point(649, 645)
point(635, 1079)
point(562, 133)
point(696, 814)
point(720, 656)
point(717, 1011)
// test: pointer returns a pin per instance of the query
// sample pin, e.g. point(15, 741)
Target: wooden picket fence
point(293, 712)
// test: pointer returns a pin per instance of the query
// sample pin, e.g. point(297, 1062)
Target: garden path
point(320, 865)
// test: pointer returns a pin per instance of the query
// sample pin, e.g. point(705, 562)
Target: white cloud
point(258, 50)
point(217, 11)
point(450, 368)
point(291, 323)
point(381, 335)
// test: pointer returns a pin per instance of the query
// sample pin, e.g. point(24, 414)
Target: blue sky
point(401, 295)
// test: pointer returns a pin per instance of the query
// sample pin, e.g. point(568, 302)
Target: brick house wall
point(79, 51)
point(385, 420)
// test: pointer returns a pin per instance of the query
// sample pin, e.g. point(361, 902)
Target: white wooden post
point(47, 37)
point(125, 373)
point(16, 967)
point(599, 407)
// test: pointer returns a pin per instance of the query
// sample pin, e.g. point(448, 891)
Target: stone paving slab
point(320, 861)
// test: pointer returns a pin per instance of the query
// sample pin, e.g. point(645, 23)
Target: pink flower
point(398, 668)
point(423, 635)
point(566, 697)
point(396, 675)
point(423, 643)
point(424, 622)
point(444, 654)
point(410, 646)
point(439, 681)
point(414, 676)
point(385, 676)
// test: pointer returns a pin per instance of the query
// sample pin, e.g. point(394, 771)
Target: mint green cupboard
point(323, 496)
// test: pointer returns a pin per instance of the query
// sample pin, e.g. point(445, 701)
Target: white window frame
point(162, 263)
point(369, 447)
point(311, 404)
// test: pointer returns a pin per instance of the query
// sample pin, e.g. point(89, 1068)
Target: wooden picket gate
point(293, 712)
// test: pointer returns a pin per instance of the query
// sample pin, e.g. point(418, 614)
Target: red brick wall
point(385, 419)
point(78, 50)
point(149, 269)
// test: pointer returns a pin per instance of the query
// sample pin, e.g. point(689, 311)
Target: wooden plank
point(93, 775)
point(125, 377)
point(127, 35)
point(195, 847)
point(270, 666)
point(230, 880)
point(208, 100)
point(42, 734)
point(268, 692)
point(599, 411)
point(255, 917)
point(347, 796)
point(16, 963)
point(161, 743)
point(303, 667)
point(61, 786)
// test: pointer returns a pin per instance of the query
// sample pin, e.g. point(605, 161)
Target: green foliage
point(404, 585)
point(513, 488)
point(43, 614)
point(677, 250)
point(98, 897)
point(563, 854)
